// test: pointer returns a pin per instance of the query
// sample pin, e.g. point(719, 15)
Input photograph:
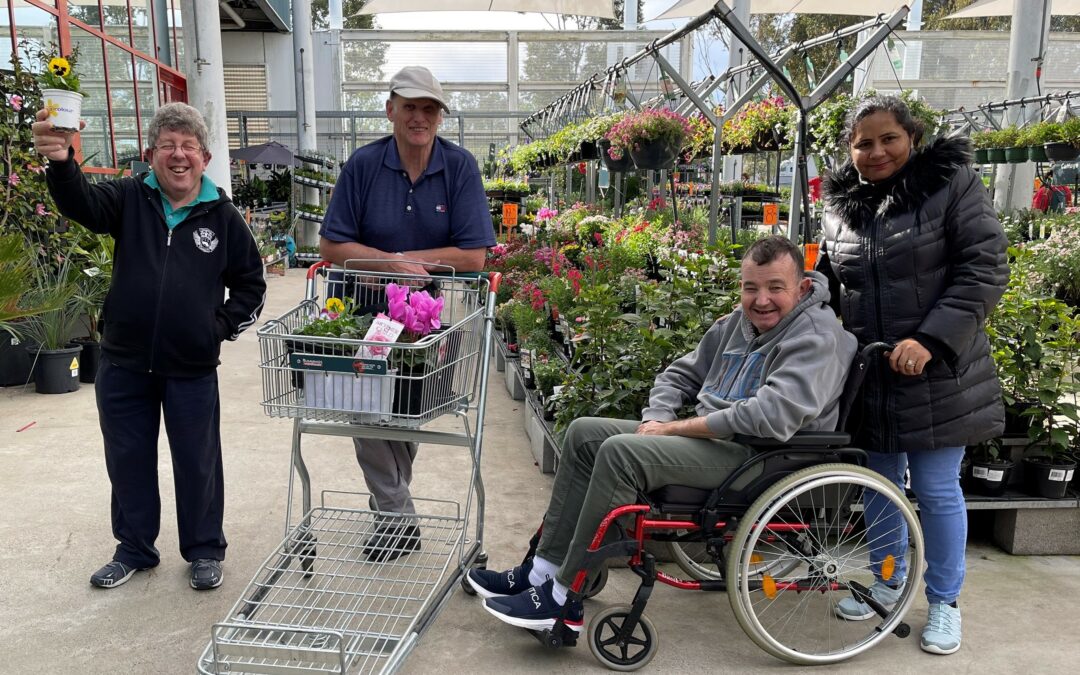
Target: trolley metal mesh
point(341, 614)
point(334, 379)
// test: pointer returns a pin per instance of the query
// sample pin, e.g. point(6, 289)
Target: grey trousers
point(387, 467)
point(605, 465)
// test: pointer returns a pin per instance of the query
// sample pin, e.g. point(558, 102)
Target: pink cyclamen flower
point(40, 210)
point(13, 179)
point(395, 297)
point(16, 102)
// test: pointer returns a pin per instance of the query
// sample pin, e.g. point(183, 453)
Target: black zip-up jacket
point(166, 311)
point(920, 255)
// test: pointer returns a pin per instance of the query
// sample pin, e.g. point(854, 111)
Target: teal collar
point(208, 192)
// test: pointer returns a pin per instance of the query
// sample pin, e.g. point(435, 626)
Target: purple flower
point(13, 179)
point(40, 210)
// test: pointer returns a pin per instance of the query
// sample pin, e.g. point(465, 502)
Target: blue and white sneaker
point(490, 584)
point(535, 608)
point(852, 610)
point(941, 635)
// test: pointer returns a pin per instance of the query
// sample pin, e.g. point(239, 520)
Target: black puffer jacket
point(920, 255)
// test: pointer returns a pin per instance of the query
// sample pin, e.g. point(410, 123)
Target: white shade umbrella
point(1005, 8)
point(688, 8)
point(601, 8)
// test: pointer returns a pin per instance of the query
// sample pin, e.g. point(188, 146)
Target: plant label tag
point(1069, 475)
point(1059, 475)
point(987, 474)
point(74, 363)
point(382, 329)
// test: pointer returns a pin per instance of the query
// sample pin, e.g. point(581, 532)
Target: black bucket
point(15, 365)
point(57, 370)
point(1048, 476)
point(988, 478)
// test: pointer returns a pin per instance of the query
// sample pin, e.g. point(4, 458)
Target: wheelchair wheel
point(597, 583)
point(624, 655)
point(793, 616)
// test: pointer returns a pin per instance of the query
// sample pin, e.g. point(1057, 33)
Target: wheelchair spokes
point(791, 610)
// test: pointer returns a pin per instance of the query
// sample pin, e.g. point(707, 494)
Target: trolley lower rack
point(318, 605)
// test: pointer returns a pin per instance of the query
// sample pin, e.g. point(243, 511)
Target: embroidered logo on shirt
point(205, 239)
point(440, 208)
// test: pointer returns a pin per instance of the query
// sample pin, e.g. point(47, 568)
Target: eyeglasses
point(187, 148)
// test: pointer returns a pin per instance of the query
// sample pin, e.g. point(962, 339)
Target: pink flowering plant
point(647, 126)
point(419, 313)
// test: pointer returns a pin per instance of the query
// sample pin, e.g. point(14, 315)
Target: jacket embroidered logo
point(205, 239)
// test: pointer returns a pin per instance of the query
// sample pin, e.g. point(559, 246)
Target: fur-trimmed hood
point(856, 202)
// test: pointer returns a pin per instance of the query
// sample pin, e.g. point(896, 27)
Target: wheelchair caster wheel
point(597, 584)
point(619, 651)
point(902, 630)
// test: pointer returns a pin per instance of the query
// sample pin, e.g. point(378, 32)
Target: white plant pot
point(65, 108)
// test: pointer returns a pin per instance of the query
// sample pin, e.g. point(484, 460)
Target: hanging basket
point(1016, 155)
point(589, 150)
point(981, 156)
point(1036, 153)
point(655, 155)
point(615, 165)
point(995, 155)
point(1060, 152)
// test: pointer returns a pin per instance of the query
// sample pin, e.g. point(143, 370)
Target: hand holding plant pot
point(60, 91)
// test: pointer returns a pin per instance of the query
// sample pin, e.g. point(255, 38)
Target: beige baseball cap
point(417, 82)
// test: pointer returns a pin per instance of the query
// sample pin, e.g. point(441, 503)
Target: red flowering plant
point(646, 126)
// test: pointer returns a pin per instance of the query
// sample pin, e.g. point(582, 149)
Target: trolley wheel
point(597, 583)
point(794, 617)
point(307, 561)
point(465, 585)
point(626, 655)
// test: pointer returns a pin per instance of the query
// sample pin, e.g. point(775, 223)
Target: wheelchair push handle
point(875, 347)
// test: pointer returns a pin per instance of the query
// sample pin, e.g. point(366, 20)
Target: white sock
point(541, 571)
point(558, 592)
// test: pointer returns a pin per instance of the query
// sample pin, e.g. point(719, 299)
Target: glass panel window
point(140, 26)
point(122, 93)
point(115, 21)
point(96, 137)
point(86, 11)
point(176, 35)
point(34, 29)
point(7, 45)
point(146, 75)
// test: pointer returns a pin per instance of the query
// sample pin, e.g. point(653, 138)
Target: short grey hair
point(178, 117)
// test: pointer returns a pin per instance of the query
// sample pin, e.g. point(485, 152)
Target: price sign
point(510, 214)
point(771, 214)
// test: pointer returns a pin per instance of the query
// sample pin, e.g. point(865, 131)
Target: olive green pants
point(605, 464)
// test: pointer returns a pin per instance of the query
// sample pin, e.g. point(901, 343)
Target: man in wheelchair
point(774, 366)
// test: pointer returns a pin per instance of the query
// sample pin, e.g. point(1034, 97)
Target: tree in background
point(351, 18)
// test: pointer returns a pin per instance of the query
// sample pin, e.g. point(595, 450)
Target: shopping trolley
point(318, 604)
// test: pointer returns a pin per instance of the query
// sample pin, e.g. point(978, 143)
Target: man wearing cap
point(410, 202)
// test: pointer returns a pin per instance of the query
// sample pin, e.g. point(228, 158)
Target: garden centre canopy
point(601, 8)
point(687, 8)
point(1005, 8)
point(266, 153)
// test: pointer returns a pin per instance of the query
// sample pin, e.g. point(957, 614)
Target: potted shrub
point(56, 369)
point(95, 276)
point(989, 469)
point(651, 137)
point(60, 88)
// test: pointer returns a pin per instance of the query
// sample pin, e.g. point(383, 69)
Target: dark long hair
point(890, 104)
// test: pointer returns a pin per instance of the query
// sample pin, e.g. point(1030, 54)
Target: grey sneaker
point(852, 610)
point(941, 635)
point(113, 574)
point(205, 574)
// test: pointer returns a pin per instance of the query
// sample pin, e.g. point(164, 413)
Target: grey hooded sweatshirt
point(769, 385)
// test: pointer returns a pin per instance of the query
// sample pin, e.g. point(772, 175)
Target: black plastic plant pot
point(1048, 476)
point(589, 150)
point(615, 165)
point(655, 156)
point(1036, 153)
point(89, 359)
point(988, 478)
point(15, 365)
point(1060, 152)
point(57, 370)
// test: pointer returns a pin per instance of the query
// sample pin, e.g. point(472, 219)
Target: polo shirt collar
point(208, 191)
point(393, 160)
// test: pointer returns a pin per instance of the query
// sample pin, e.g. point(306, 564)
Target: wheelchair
point(785, 536)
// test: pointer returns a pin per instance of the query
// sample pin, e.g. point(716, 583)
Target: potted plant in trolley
point(652, 137)
point(60, 89)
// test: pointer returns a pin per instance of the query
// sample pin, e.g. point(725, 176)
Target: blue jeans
point(942, 513)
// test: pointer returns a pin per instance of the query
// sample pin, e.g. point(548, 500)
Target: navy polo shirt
point(375, 204)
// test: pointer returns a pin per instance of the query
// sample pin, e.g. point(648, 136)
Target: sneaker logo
point(535, 596)
point(510, 577)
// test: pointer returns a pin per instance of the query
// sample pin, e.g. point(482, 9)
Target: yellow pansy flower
point(335, 305)
point(59, 66)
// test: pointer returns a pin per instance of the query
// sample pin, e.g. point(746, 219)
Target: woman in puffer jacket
point(916, 257)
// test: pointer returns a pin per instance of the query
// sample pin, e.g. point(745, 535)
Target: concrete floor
point(1020, 613)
